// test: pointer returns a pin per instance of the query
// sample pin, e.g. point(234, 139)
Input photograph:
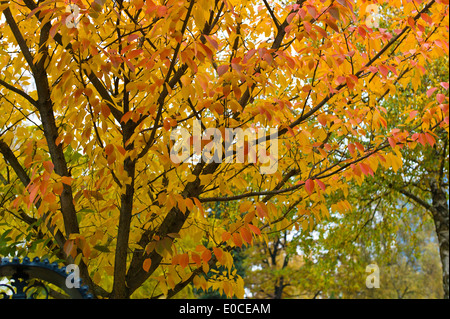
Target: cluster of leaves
point(87, 115)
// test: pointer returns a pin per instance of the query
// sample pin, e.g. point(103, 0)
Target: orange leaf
point(146, 265)
point(67, 180)
point(246, 234)
point(218, 252)
point(184, 260)
point(134, 53)
point(225, 236)
point(196, 258)
point(48, 166)
point(206, 255)
point(105, 110)
point(166, 124)
point(126, 117)
point(254, 229)
point(70, 248)
point(351, 148)
point(261, 209)
point(58, 188)
point(199, 205)
point(322, 118)
point(360, 147)
point(237, 239)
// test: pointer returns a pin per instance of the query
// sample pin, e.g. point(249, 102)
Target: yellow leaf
point(97, 277)
point(245, 206)
point(191, 178)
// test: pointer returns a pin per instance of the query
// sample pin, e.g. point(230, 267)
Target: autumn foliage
point(89, 98)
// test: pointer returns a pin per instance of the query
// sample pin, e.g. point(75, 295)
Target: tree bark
point(440, 214)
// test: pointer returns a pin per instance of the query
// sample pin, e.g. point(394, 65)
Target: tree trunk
point(441, 222)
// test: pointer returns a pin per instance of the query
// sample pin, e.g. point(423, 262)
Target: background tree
point(89, 99)
point(394, 222)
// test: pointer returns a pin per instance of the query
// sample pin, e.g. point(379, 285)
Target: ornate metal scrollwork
point(23, 284)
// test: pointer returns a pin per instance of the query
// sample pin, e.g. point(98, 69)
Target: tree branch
point(274, 18)
point(19, 38)
point(18, 91)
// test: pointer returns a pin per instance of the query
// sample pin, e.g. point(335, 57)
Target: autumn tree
point(92, 91)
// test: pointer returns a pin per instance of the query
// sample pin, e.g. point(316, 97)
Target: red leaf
point(362, 32)
point(340, 79)
point(133, 37)
point(444, 85)
point(412, 114)
point(334, 12)
point(33, 194)
point(422, 139)
point(440, 98)
point(321, 184)
point(351, 149)
point(162, 11)
point(211, 41)
point(431, 91)
point(430, 139)
point(366, 169)
point(222, 69)
point(268, 58)
point(350, 83)
point(309, 186)
point(384, 70)
point(392, 142)
point(53, 30)
point(290, 17)
point(312, 11)
point(307, 26)
point(426, 18)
